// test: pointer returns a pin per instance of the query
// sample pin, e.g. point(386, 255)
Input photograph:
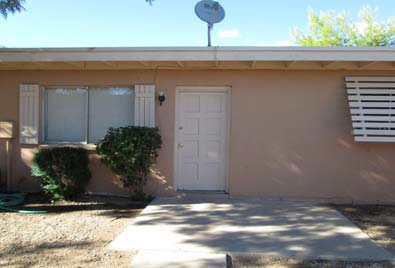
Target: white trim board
point(197, 54)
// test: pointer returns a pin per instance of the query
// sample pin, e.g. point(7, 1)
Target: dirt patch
point(71, 234)
point(260, 262)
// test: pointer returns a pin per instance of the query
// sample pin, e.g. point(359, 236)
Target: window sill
point(88, 147)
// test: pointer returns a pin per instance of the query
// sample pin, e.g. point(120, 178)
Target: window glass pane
point(109, 107)
point(66, 115)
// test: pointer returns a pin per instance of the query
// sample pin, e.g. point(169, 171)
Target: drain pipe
point(6, 133)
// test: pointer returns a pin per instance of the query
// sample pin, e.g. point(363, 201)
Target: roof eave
point(213, 57)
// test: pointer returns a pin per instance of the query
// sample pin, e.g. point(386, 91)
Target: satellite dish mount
point(211, 12)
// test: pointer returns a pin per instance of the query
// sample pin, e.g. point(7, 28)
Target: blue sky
point(98, 23)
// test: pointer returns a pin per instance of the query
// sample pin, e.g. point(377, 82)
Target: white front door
point(201, 140)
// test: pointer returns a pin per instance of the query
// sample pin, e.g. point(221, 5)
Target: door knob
point(180, 145)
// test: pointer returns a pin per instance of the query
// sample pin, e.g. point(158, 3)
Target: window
point(83, 115)
point(66, 114)
point(372, 108)
point(109, 107)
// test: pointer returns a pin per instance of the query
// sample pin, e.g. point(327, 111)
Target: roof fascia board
point(198, 54)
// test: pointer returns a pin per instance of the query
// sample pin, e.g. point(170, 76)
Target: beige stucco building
point(266, 122)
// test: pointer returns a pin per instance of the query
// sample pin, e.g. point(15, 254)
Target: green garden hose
point(9, 200)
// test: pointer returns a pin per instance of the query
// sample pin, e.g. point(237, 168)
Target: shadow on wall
point(103, 179)
point(372, 165)
point(22, 157)
point(3, 165)
point(340, 170)
point(158, 183)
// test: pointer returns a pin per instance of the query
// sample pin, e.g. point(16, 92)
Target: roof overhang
point(325, 58)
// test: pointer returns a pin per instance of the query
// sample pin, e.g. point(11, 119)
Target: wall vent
point(372, 107)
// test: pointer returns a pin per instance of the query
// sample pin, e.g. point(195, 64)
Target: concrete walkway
point(187, 227)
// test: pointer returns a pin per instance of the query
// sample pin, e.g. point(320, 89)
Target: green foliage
point(62, 171)
point(10, 6)
point(331, 29)
point(130, 152)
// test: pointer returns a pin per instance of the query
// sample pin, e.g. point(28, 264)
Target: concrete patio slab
point(218, 226)
point(174, 259)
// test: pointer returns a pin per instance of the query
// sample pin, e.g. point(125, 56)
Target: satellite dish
point(210, 12)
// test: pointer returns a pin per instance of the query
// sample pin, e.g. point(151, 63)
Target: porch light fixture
point(161, 98)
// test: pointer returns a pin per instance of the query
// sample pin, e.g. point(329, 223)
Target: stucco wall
point(290, 132)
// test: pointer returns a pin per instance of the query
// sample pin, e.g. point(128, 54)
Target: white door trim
point(179, 90)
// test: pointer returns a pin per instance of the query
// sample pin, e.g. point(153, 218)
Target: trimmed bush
point(130, 152)
point(63, 172)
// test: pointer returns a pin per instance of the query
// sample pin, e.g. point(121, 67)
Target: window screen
point(109, 107)
point(66, 115)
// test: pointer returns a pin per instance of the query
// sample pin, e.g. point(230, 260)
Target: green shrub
point(63, 172)
point(130, 152)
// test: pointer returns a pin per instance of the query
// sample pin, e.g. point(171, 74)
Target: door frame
point(202, 89)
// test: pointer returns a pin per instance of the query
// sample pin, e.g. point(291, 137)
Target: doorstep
point(201, 194)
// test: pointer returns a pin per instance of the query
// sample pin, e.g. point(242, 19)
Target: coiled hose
point(9, 200)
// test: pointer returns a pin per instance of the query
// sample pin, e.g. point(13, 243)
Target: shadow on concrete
point(378, 221)
point(273, 228)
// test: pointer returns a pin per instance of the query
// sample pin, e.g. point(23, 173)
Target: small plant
point(63, 172)
point(130, 152)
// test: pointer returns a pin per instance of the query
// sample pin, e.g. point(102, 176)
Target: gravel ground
point(260, 262)
point(71, 234)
